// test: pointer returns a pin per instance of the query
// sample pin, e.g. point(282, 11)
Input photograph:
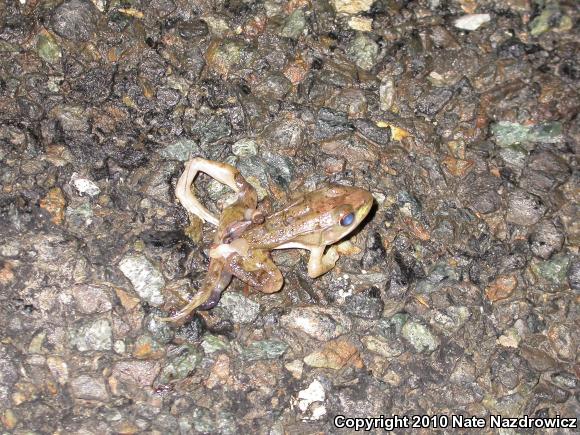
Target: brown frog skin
point(245, 238)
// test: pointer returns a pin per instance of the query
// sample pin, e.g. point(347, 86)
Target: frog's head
point(341, 209)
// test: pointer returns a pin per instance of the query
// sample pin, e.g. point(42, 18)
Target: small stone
point(84, 185)
point(322, 323)
point(294, 25)
point(546, 239)
point(127, 301)
point(366, 305)
point(501, 288)
point(96, 335)
point(214, 343)
point(47, 48)
point(54, 203)
point(265, 349)
point(295, 368)
point(181, 150)
point(220, 372)
point(388, 349)
point(458, 167)
point(146, 280)
point(186, 360)
point(554, 270)
point(59, 368)
point(420, 337)
point(514, 156)
point(335, 355)
point(88, 388)
point(472, 21)
point(524, 208)
point(574, 275)
point(312, 395)
point(240, 308)
point(550, 18)
point(141, 373)
point(363, 51)
point(511, 338)
point(463, 373)
point(352, 6)
point(79, 217)
point(90, 299)
point(9, 419)
point(245, 148)
point(119, 347)
point(510, 133)
point(75, 20)
point(147, 348)
point(361, 24)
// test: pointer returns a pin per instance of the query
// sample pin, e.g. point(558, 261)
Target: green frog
point(245, 237)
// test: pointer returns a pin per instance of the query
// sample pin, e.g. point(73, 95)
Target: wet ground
point(458, 296)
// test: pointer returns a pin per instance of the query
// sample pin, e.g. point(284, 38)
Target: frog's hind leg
point(222, 172)
point(215, 282)
point(258, 270)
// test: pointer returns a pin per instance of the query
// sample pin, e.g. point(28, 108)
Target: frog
point(245, 237)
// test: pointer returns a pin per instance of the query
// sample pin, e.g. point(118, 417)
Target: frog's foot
point(258, 270)
point(222, 172)
point(214, 284)
point(319, 262)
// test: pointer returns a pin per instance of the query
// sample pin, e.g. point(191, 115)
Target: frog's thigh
point(319, 263)
point(258, 270)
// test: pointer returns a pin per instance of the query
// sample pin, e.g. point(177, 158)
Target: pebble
point(554, 270)
point(264, 349)
point(182, 150)
point(386, 348)
point(335, 355)
point(524, 208)
point(58, 368)
point(546, 239)
point(214, 343)
point(471, 21)
point(352, 6)
point(367, 305)
point(574, 275)
point(501, 288)
point(562, 341)
point(363, 51)
point(322, 323)
point(146, 279)
point(184, 362)
point(84, 185)
point(137, 372)
point(75, 20)
point(89, 388)
point(239, 308)
point(312, 396)
point(91, 299)
point(420, 337)
point(95, 335)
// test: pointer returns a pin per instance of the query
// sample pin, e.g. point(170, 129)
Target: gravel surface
point(457, 296)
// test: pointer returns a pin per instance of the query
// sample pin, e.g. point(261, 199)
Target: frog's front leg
point(257, 269)
point(222, 172)
point(319, 263)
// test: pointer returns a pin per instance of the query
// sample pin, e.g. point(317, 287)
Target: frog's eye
point(347, 220)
